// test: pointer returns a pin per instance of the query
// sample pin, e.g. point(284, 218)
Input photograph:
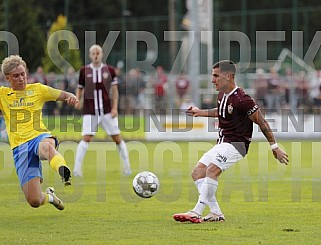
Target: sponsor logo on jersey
point(29, 92)
point(20, 102)
point(252, 110)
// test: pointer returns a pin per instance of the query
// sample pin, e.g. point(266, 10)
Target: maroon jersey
point(234, 125)
point(97, 82)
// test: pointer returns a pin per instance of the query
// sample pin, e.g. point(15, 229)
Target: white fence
point(182, 127)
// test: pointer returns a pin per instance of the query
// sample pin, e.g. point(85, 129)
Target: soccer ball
point(145, 184)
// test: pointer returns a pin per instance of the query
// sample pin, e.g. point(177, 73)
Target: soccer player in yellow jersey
point(21, 105)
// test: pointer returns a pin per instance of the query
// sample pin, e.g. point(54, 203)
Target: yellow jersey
point(22, 111)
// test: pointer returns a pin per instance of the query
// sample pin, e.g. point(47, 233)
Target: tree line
point(33, 21)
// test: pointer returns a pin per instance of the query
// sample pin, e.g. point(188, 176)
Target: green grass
point(263, 201)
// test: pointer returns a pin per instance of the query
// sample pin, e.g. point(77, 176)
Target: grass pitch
point(264, 202)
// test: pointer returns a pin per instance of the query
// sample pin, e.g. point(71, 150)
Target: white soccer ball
point(145, 184)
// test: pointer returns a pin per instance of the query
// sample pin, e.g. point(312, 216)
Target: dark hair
point(225, 66)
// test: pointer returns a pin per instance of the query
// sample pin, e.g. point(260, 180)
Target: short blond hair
point(10, 63)
point(95, 46)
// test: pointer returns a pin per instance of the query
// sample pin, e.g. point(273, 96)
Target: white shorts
point(90, 124)
point(223, 155)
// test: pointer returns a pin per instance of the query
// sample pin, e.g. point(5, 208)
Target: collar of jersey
point(93, 67)
point(231, 91)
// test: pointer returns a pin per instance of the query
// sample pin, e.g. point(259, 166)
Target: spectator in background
point(71, 78)
point(315, 92)
point(288, 87)
point(3, 81)
point(40, 77)
point(182, 86)
point(141, 97)
point(302, 91)
point(51, 107)
point(260, 86)
point(186, 104)
point(132, 83)
point(121, 89)
point(30, 78)
point(69, 84)
point(160, 86)
point(273, 94)
point(207, 102)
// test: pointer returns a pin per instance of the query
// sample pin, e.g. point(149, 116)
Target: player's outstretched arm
point(278, 153)
point(196, 112)
point(70, 98)
point(79, 95)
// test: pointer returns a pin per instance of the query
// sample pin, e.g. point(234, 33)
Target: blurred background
point(274, 43)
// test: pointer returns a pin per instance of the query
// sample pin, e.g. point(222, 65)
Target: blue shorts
point(27, 161)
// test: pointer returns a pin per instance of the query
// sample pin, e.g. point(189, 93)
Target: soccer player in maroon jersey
point(95, 81)
point(236, 112)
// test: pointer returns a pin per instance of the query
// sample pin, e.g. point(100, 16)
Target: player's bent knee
point(198, 173)
point(195, 175)
point(117, 139)
point(35, 203)
point(213, 171)
point(88, 138)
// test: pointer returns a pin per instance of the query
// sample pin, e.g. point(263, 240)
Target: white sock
point(50, 198)
point(215, 208)
point(198, 184)
point(212, 201)
point(208, 190)
point(122, 148)
point(80, 155)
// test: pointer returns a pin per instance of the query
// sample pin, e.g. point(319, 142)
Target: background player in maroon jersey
point(95, 81)
point(236, 112)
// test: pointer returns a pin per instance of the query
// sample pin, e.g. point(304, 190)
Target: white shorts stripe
point(95, 100)
point(101, 102)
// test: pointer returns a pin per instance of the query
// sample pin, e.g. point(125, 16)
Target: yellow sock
point(56, 162)
point(46, 199)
